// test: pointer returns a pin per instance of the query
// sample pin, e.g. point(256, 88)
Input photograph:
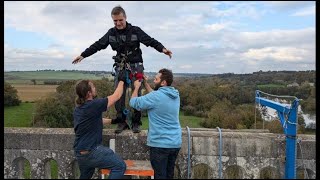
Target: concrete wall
point(245, 153)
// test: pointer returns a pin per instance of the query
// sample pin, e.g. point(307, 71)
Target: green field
point(271, 85)
point(25, 77)
point(19, 116)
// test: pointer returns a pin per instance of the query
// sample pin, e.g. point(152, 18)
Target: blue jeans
point(163, 161)
point(100, 157)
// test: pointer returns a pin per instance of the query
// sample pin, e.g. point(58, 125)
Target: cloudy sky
point(205, 37)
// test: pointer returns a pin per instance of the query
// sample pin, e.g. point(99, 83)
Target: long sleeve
point(147, 101)
point(149, 41)
point(102, 43)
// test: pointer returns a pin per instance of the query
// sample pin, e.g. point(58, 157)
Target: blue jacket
point(163, 108)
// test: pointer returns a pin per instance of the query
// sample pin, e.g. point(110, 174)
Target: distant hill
point(42, 75)
point(25, 77)
point(259, 77)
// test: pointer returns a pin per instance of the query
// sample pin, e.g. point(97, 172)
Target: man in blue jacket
point(125, 39)
point(164, 134)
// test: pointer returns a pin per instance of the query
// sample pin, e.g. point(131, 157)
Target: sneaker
point(136, 128)
point(121, 127)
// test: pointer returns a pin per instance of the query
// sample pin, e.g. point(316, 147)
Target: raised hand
point(167, 52)
point(122, 75)
point(77, 60)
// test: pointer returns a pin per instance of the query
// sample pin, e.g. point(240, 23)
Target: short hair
point(82, 89)
point(117, 10)
point(166, 75)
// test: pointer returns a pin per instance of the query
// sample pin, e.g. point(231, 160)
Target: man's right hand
point(122, 75)
point(77, 60)
point(137, 84)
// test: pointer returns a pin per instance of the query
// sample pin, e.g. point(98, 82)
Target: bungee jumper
point(125, 39)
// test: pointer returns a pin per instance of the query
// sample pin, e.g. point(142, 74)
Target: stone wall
point(249, 154)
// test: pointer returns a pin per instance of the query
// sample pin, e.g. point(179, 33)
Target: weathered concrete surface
point(251, 151)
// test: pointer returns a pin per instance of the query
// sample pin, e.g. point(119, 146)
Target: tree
point(10, 95)
point(56, 110)
point(34, 81)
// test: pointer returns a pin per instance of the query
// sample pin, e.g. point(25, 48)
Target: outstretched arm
point(119, 91)
point(116, 95)
point(102, 43)
point(149, 41)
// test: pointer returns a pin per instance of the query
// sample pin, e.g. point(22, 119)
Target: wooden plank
point(135, 167)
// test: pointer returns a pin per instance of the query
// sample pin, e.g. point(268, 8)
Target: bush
point(274, 126)
point(56, 111)
point(53, 113)
point(188, 110)
point(52, 82)
point(10, 95)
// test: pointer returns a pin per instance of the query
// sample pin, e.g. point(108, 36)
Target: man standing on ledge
point(125, 39)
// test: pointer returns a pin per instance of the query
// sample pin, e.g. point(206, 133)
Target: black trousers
point(120, 105)
point(163, 161)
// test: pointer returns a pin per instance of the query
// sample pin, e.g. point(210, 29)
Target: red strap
point(139, 76)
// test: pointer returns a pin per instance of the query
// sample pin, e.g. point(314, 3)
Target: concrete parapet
point(249, 153)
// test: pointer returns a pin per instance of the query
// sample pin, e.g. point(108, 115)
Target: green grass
point(19, 116)
point(190, 121)
point(270, 85)
point(53, 165)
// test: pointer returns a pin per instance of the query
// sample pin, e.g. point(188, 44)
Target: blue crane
point(288, 118)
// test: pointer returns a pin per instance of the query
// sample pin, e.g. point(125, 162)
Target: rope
point(128, 111)
point(188, 172)
point(255, 115)
point(281, 96)
point(278, 96)
point(220, 153)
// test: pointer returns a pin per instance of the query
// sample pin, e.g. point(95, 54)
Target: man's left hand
point(167, 52)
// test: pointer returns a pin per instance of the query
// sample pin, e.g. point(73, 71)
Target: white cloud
point(187, 66)
point(215, 27)
point(286, 54)
point(203, 36)
point(308, 11)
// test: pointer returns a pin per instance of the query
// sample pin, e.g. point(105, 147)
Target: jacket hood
point(170, 91)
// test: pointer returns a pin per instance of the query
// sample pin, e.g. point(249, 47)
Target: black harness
point(126, 49)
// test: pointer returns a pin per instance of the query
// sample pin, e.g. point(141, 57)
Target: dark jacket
point(121, 42)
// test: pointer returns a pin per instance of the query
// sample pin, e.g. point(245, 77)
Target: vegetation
point(224, 100)
point(19, 116)
point(10, 95)
point(51, 76)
